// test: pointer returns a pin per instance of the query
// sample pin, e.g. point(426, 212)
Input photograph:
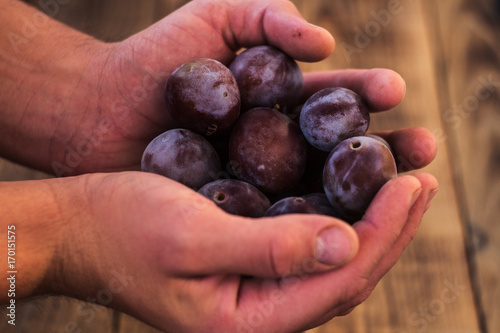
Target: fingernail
point(333, 247)
point(415, 196)
point(314, 25)
point(429, 198)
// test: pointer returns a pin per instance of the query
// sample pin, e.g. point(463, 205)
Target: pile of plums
point(243, 140)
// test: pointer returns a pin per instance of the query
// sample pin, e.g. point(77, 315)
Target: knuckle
point(175, 254)
point(359, 292)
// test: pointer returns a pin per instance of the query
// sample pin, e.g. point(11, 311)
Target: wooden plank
point(470, 53)
point(409, 298)
point(129, 324)
point(10, 171)
point(59, 314)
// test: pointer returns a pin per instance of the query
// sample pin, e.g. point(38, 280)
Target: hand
point(137, 68)
point(155, 249)
point(104, 103)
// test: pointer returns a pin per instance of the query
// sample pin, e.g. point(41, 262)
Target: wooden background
point(448, 51)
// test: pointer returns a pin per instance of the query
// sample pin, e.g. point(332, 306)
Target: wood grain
point(449, 53)
point(470, 59)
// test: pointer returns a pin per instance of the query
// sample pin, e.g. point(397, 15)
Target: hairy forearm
point(42, 63)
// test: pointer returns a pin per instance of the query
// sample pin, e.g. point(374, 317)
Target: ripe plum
point(381, 139)
point(332, 115)
point(236, 197)
point(183, 156)
point(268, 150)
point(315, 203)
point(202, 95)
point(354, 172)
point(267, 77)
point(324, 207)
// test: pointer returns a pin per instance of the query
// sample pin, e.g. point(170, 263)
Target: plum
point(236, 197)
point(322, 204)
point(203, 96)
point(354, 172)
point(315, 203)
point(381, 139)
point(183, 156)
point(332, 115)
point(267, 77)
point(268, 150)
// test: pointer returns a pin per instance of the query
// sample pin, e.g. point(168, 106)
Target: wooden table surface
point(448, 51)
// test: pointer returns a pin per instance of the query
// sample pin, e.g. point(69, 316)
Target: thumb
point(267, 247)
point(280, 24)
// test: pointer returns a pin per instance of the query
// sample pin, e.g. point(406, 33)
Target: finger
point(429, 189)
point(221, 243)
point(283, 26)
point(386, 216)
point(413, 148)
point(277, 23)
point(313, 295)
point(381, 89)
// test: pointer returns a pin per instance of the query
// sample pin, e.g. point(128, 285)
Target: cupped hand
point(166, 255)
point(124, 81)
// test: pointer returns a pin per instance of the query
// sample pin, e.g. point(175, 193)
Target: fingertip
point(428, 181)
point(414, 147)
point(430, 185)
point(425, 140)
point(285, 28)
point(326, 44)
point(383, 89)
point(410, 183)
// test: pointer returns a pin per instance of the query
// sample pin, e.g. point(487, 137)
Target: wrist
point(74, 254)
point(35, 222)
